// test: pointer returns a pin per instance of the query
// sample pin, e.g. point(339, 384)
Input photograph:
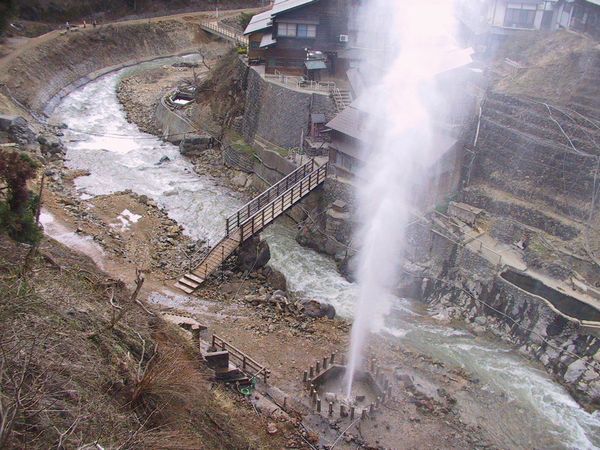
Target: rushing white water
point(540, 411)
point(410, 43)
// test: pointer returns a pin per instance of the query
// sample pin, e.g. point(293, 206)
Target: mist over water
point(408, 44)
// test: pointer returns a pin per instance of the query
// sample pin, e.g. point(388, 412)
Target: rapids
point(520, 406)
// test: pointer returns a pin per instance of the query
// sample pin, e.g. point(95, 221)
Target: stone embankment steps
point(253, 217)
point(533, 118)
point(549, 132)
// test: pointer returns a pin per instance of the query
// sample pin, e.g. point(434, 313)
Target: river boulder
point(253, 254)
point(316, 309)
point(275, 279)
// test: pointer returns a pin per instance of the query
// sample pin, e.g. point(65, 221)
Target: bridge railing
point(269, 212)
point(252, 207)
point(247, 364)
point(226, 33)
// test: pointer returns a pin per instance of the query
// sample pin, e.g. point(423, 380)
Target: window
point(254, 45)
point(520, 15)
point(307, 31)
point(303, 31)
point(286, 29)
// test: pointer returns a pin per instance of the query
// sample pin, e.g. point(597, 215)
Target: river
point(526, 408)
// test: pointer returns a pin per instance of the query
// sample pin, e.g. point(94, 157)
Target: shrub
point(244, 19)
point(17, 205)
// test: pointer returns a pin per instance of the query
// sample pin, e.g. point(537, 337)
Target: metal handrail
point(245, 360)
point(252, 225)
point(245, 212)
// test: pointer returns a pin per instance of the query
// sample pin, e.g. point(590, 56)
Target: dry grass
point(72, 377)
point(556, 64)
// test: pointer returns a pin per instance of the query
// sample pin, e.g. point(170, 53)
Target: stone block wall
point(278, 114)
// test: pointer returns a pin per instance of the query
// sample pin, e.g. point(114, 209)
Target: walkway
point(253, 217)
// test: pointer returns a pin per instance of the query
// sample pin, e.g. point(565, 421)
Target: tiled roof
point(264, 20)
point(285, 5)
point(259, 22)
point(348, 122)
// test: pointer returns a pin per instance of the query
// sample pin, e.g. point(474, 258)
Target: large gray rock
point(6, 121)
point(195, 144)
point(20, 131)
point(50, 145)
point(316, 309)
point(253, 254)
point(275, 278)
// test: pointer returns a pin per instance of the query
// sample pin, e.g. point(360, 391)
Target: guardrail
point(252, 207)
point(301, 82)
point(268, 213)
point(245, 362)
point(225, 33)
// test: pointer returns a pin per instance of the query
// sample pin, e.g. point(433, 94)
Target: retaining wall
point(40, 76)
point(174, 126)
point(278, 114)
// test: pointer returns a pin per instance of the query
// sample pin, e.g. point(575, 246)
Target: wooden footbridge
point(253, 217)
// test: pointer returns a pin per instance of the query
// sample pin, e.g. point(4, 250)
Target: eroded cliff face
point(466, 286)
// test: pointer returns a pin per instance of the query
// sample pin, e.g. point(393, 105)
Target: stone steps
point(548, 131)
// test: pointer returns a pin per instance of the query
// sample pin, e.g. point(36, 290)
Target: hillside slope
point(77, 372)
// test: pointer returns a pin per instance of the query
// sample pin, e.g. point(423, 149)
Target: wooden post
point(213, 341)
point(325, 361)
point(227, 227)
point(305, 377)
point(332, 359)
point(352, 411)
point(318, 405)
point(244, 362)
point(318, 367)
point(312, 374)
point(331, 408)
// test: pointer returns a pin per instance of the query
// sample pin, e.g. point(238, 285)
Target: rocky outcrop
point(253, 254)
point(316, 309)
point(467, 287)
point(195, 144)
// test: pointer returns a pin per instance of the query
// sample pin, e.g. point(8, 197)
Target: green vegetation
point(237, 143)
point(244, 19)
point(18, 206)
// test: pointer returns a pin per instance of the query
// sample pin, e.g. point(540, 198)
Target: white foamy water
point(119, 162)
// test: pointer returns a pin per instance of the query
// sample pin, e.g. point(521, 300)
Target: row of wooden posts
point(379, 377)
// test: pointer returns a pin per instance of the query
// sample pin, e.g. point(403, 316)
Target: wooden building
point(582, 16)
point(289, 37)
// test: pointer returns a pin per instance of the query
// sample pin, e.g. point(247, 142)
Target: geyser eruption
point(408, 43)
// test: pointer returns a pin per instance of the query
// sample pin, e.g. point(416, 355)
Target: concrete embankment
point(44, 72)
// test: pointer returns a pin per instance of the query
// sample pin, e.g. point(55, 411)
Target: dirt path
point(198, 17)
